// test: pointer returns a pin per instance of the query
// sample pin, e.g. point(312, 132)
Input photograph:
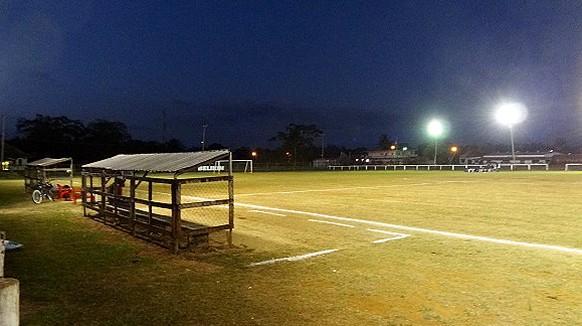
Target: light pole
point(204, 135)
point(435, 129)
point(322, 145)
point(510, 114)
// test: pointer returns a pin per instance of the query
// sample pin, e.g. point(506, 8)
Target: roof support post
point(230, 200)
point(103, 198)
point(176, 216)
point(132, 187)
point(83, 193)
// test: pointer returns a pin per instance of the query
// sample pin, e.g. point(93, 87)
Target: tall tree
point(49, 136)
point(296, 139)
point(107, 132)
point(105, 138)
point(384, 142)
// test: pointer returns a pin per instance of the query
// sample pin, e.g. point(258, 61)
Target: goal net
point(242, 166)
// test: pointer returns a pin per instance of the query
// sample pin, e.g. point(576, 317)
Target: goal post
point(241, 166)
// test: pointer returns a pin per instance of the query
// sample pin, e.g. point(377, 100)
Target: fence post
point(9, 298)
point(9, 293)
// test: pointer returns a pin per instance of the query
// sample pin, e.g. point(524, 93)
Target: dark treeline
point(46, 136)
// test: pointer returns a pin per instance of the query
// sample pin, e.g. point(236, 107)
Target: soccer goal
point(244, 166)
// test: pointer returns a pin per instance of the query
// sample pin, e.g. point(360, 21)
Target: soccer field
point(420, 248)
point(320, 248)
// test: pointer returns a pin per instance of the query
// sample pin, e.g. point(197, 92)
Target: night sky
point(247, 69)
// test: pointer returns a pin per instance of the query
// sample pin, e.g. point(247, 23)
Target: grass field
point(320, 248)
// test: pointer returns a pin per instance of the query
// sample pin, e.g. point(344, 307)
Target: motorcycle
point(43, 190)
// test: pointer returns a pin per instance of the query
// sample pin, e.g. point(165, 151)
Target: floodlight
point(511, 113)
point(435, 128)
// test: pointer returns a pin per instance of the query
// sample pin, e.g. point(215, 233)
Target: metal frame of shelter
point(153, 207)
point(41, 170)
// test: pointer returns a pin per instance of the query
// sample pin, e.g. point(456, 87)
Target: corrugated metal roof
point(48, 161)
point(159, 162)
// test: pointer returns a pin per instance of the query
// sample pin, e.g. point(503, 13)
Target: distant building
point(562, 159)
point(18, 164)
point(507, 158)
point(323, 163)
point(388, 157)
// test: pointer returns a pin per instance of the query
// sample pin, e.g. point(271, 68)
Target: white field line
point(333, 223)
point(294, 258)
point(268, 213)
point(349, 188)
point(397, 236)
point(387, 232)
point(390, 239)
point(415, 229)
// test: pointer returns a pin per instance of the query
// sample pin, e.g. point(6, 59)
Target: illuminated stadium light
point(510, 114)
point(435, 130)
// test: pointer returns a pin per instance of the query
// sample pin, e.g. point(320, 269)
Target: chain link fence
point(171, 212)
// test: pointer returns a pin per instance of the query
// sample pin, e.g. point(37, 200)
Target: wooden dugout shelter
point(173, 199)
point(48, 169)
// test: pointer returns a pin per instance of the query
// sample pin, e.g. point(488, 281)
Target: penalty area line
point(333, 223)
point(422, 230)
point(391, 239)
point(397, 236)
point(268, 213)
point(294, 258)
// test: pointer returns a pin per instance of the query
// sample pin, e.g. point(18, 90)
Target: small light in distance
point(392, 147)
point(454, 149)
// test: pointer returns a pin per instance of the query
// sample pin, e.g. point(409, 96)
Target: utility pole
point(203, 135)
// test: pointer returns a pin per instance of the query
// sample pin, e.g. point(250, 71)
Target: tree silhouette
point(296, 139)
point(50, 136)
point(384, 142)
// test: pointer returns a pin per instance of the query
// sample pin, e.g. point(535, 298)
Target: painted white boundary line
point(414, 229)
point(294, 258)
point(387, 232)
point(333, 223)
point(390, 239)
point(268, 213)
point(397, 236)
point(351, 188)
